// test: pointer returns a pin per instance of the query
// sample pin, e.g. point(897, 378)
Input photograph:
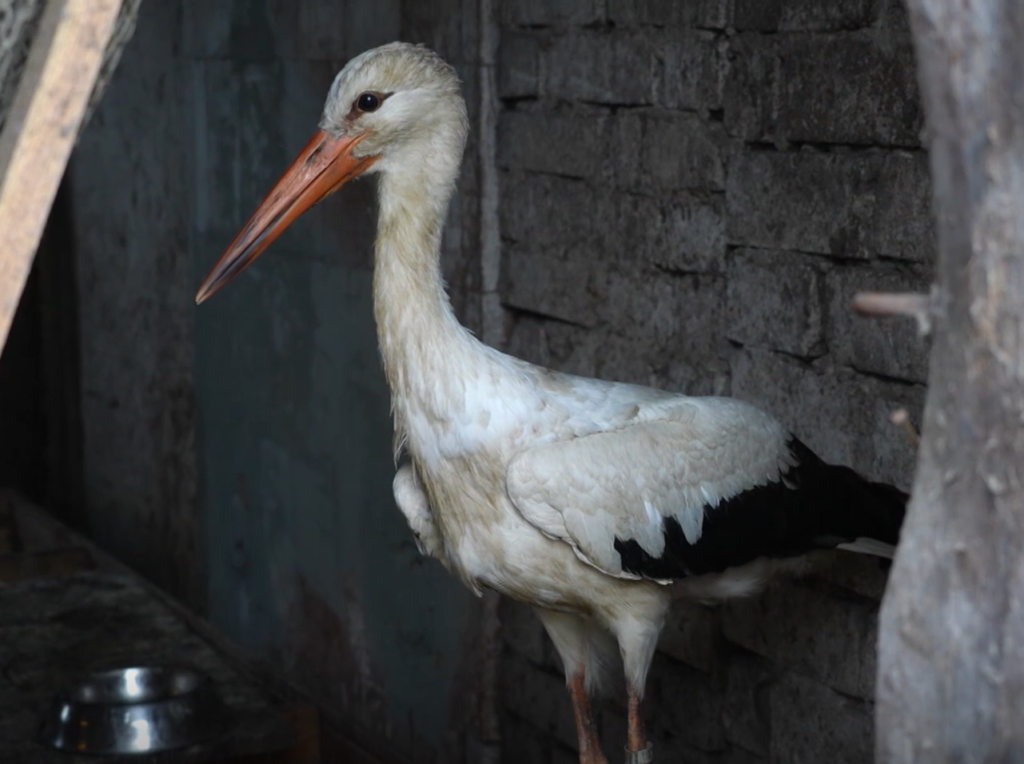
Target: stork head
point(395, 110)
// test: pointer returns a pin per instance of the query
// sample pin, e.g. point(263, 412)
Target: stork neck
point(420, 338)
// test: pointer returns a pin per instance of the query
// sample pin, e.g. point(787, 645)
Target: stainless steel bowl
point(142, 709)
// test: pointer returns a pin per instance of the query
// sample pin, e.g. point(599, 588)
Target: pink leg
point(590, 746)
point(638, 749)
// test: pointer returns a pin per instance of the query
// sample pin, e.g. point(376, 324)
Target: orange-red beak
point(321, 168)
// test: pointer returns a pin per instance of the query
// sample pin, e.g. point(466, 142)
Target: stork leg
point(638, 749)
point(574, 639)
point(638, 637)
point(586, 731)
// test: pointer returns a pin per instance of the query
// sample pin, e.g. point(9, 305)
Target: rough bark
point(951, 652)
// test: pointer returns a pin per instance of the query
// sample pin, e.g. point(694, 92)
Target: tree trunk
point(951, 647)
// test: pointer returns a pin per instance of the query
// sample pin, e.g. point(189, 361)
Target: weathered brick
point(813, 724)
point(737, 755)
point(803, 15)
point(695, 70)
point(784, 87)
point(662, 311)
point(874, 101)
point(704, 14)
point(543, 211)
point(895, 457)
point(678, 233)
point(576, 141)
point(850, 204)
point(801, 626)
point(576, 350)
point(902, 224)
point(561, 754)
point(546, 282)
point(573, 141)
point(837, 412)
point(526, 338)
point(670, 745)
point(615, 224)
point(602, 67)
point(523, 742)
point(830, 409)
point(894, 18)
point(745, 711)
point(692, 635)
point(518, 64)
point(623, 152)
point(538, 697)
point(680, 152)
point(861, 573)
point(558, 263)
point(776, 300)
point(523, 631)
point(675, 316)
point(675, 231)
point(665, 317)
point(695, 236)
point(888, 346)
point(689, 704)
point(749, 87)
point(613, 724)
point(806, 200)
point(552, 12)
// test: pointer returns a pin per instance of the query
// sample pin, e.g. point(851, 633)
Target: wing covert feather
point(674, 461)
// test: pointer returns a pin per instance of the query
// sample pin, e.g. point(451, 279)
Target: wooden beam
point(951, 634)
point(35, 145)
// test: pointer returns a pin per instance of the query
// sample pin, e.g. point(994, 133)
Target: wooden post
point(951, 645)
point(63, 64)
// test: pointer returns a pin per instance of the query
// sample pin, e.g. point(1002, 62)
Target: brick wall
point(691, 192)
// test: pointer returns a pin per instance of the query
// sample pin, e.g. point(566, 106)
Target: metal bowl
point(142, 709)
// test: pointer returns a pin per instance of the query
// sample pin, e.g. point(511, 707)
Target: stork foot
point(644, 756)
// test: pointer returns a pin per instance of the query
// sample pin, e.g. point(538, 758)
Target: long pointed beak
point(321, 168)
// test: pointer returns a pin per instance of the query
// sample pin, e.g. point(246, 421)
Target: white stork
point(595, 502)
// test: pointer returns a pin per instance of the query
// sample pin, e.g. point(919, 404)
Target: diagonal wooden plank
point(62, 67)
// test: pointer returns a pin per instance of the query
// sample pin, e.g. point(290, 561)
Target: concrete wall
point(129, 184)
point(691, 193)
point(240, 454)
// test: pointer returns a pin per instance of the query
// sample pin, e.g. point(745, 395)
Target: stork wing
point(630, 499)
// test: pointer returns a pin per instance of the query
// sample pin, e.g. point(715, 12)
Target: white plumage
point(669, 458)
point(595, 502)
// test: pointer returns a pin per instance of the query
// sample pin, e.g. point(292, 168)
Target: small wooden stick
point(918, 306)
point(901, 419)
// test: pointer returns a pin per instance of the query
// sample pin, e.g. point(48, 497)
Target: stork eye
point(368, 102)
